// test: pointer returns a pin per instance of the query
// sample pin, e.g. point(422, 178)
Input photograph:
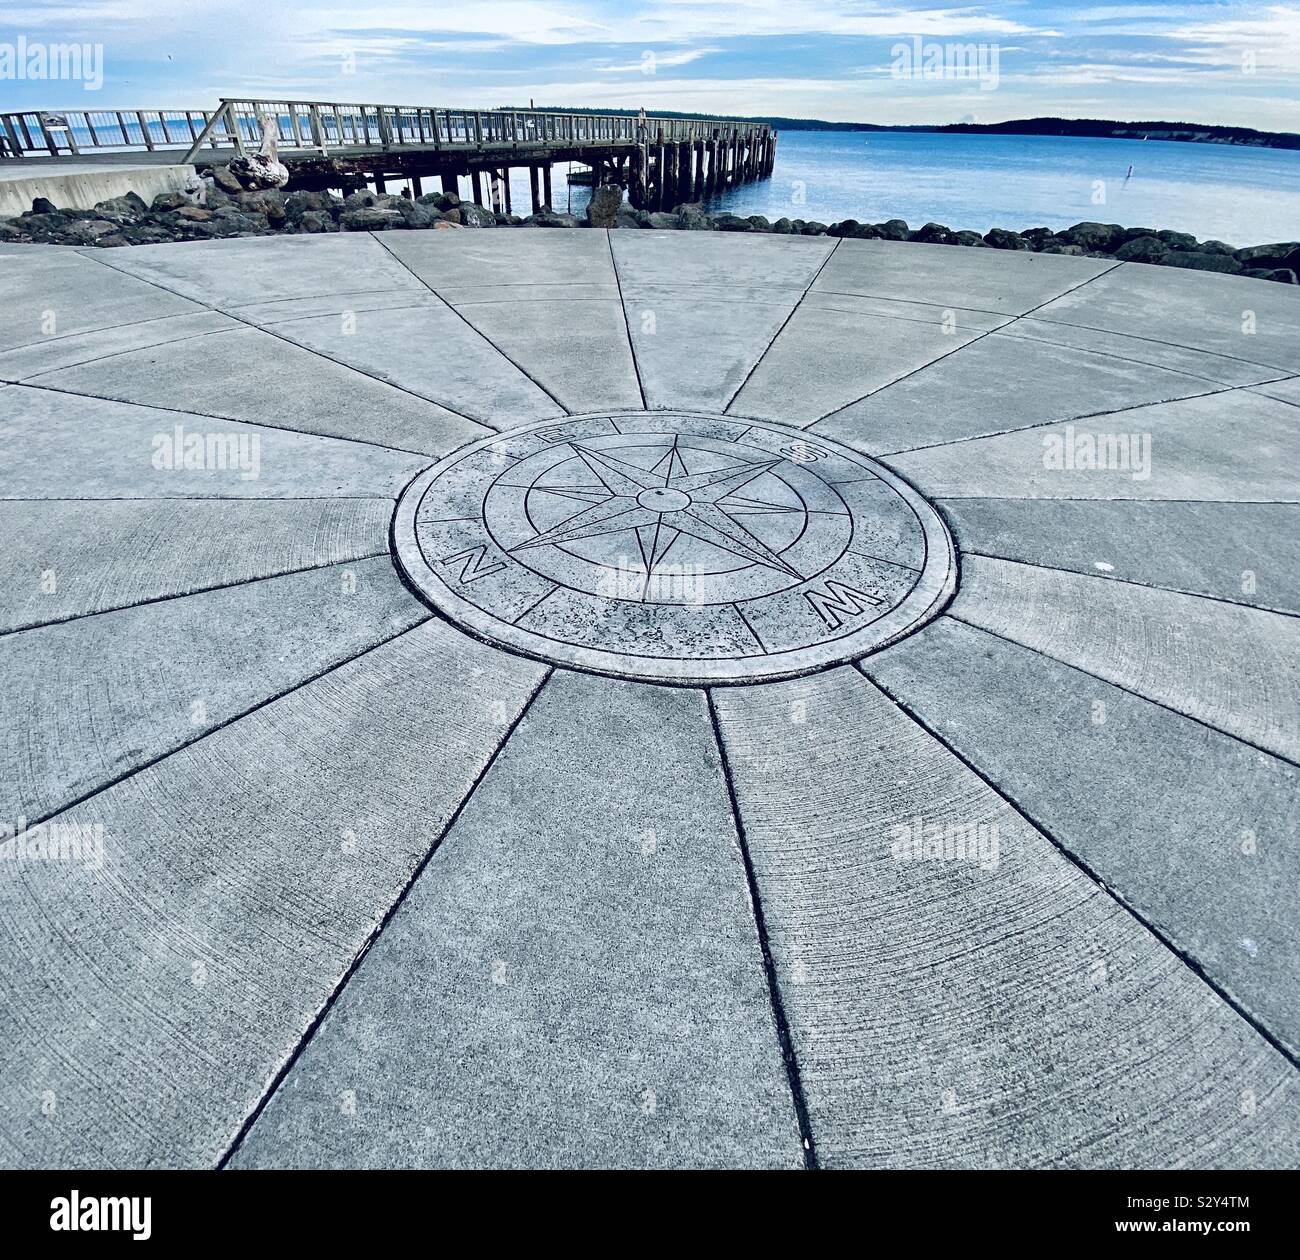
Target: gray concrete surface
point(574, 984)
point(266, 929)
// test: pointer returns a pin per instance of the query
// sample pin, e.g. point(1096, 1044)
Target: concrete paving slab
point(1288, 390)
point(66, 446)
point(1259, 323)
point(77, 348)
point(1246, 553)
point(948, 1012)
point(57, 292)
point(825, 360)
point(445, 360)
point(973, 393)
point(252, 376)
point(1195, 840)
point(577, 351)
point(949, 318)
point(72, 558)
point(718, 259)
point(947, 275)
point(476, 259)
point(255, 269)
point(155, 996)
point(694, 348)
point(1235, 447)
point(1218, 369)
point(1236, 669)
point(504, 1020)
point(167, 673)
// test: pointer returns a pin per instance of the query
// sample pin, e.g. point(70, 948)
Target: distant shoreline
point(1089, 128)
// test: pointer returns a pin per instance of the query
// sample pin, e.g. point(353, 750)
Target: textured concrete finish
point(112, 554)
point(239, 646)
point(541, 698)
point(966, 396)
point(971, 1013)
point(1237, 446)
point(1246, 553)
point(1198, 842)
point(62, 446)
point(568, 984)
point(291, 389)
point(1234, 668)
point(183, 971)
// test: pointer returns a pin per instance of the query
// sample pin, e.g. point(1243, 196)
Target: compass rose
point(663, 503)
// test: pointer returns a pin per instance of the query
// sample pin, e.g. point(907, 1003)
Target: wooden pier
point(661, 161)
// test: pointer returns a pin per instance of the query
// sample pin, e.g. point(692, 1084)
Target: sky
point(1236, 64)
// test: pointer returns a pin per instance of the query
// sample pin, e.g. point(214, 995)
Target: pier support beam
point(546, 185)
point(533, 181)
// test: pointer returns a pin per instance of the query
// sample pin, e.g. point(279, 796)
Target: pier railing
point(319, 127)
point(54, 132)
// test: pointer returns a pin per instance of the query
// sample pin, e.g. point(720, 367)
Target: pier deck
point(661, 161)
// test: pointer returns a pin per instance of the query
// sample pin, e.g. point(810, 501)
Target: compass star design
point(663, 503)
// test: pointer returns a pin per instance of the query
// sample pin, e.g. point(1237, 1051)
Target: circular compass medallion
point(674, 547)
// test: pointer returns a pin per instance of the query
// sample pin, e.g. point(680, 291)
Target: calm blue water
point(1215, 191)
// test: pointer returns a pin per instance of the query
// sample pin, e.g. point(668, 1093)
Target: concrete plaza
point(627, 699)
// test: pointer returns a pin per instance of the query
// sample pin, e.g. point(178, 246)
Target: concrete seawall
point(79, 185)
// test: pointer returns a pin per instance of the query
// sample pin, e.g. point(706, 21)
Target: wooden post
point(450, 184)
point(636, 188)
point(380, 185)
point(532, 180)
point(417, 188)
point(477, 181)
point(505, 182)
point(546, 184)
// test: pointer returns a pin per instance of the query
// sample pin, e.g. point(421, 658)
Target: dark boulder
point(223, 178)
point(935, 234)
point(1283, 255)
point(603, 208)
point(1198, 260)
point(370, 219)
point(1100, 237)
point(1283, 275)
point(1000, 238)
point(1147, 249)
point(893, 230)
point(476, 216)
